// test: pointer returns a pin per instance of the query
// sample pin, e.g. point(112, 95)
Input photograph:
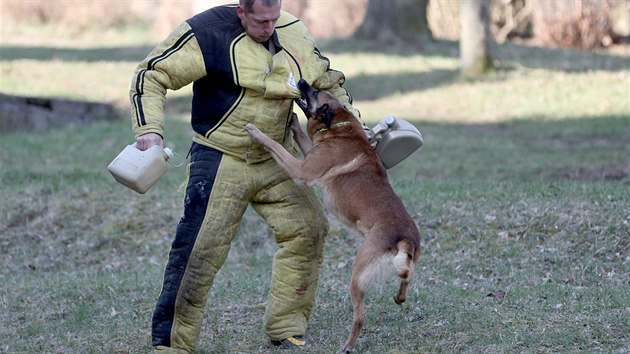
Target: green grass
point(521, 193)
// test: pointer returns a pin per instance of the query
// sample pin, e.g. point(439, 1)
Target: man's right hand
point(145, 141)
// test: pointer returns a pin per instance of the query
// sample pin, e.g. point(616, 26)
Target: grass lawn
point(521, 194)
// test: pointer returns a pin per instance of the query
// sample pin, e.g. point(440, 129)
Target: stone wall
point(36, 114)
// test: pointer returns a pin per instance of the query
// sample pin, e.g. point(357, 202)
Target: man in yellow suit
point(244, 62)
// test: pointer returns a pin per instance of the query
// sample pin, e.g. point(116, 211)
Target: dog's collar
point(336, 125)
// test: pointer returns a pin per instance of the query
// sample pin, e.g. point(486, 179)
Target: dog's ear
point(325, 114)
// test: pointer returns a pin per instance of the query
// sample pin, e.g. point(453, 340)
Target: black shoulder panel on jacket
point(215, 29)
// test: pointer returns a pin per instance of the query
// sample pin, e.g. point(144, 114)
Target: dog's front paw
point(250, 128)
point(257, 135)
point(253, 131)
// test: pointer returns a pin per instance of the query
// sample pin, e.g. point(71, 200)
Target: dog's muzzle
point(304, 102)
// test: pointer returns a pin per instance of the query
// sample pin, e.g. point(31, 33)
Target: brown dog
point(354, 181)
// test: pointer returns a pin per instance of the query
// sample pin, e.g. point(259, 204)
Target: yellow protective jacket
point(236, 81)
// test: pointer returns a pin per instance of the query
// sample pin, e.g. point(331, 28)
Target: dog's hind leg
point(365, 269)
point(405, 266)
point(357, 293)
point(401, 296)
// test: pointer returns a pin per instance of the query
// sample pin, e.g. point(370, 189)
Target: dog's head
point(318, 104)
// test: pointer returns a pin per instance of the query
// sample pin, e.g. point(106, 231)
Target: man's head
point(259, 17)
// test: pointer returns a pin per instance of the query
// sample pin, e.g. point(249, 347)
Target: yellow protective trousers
point(220, 187)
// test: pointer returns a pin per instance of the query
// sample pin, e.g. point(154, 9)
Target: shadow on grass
point(372, 87)
point(568, 60)
point(522, 55)
point(584, 149)
point(131, 53)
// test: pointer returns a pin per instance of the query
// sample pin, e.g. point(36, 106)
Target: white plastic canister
point(396, 139)
point(139, 170)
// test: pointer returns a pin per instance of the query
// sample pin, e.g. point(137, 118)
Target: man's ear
point(240, 11)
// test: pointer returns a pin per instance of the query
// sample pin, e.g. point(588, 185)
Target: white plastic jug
point(396, 139)
point(139, 170)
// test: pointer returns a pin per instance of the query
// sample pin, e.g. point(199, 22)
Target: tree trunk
point(474, 37)
point(388, 20)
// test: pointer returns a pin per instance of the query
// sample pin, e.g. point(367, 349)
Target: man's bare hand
point(145, 141)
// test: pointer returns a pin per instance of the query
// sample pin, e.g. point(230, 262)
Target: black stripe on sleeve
point(137, 101)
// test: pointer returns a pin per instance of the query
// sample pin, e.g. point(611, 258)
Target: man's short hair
point(248, 5)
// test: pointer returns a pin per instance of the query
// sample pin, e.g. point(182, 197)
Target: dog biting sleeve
point(332, 81)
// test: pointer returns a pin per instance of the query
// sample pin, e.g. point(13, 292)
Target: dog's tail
point(404, 261)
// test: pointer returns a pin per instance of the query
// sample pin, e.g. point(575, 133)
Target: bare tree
point(475, 37)
point(296, 7)
point(395, 19)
